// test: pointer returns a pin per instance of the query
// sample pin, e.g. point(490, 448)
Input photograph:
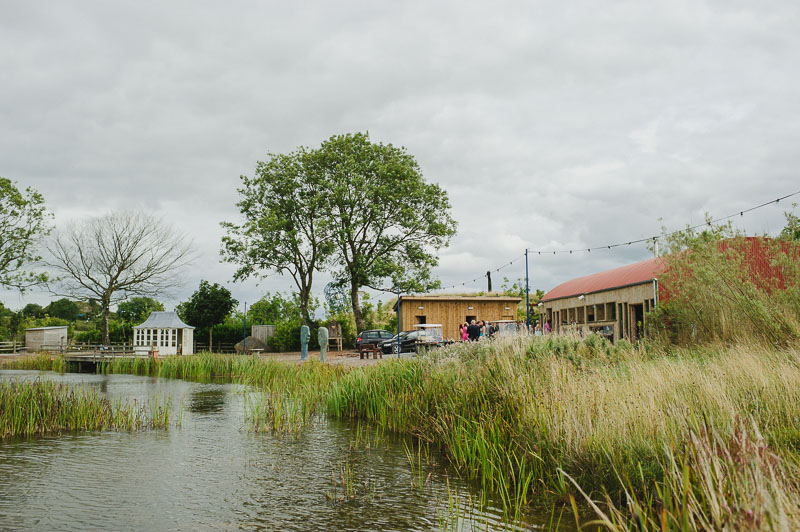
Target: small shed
point(452, 311)
point(37, 337)
point(166, 332)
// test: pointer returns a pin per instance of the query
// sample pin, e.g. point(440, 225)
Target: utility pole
point(398, 324)
point(489, 282)
point(527, 297)
point(244, 331)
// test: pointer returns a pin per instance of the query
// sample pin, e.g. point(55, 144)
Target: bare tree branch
point(117, 256)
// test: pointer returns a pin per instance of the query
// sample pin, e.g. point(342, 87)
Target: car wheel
point(395, 349)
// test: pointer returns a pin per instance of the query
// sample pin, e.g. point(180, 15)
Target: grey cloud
point(549, 126)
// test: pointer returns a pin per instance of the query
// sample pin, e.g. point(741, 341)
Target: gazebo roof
point(163, 320)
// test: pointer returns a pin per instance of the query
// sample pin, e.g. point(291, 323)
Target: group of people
point(477, 329)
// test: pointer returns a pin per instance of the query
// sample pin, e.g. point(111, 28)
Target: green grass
point(36, 408)
point(538, 417)
point(680, 439)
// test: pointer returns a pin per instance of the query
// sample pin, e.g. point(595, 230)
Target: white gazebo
point(165, 332)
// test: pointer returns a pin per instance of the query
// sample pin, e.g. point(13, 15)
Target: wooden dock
point(91, 355)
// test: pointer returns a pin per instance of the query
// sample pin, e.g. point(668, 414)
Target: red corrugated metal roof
point(641, 272)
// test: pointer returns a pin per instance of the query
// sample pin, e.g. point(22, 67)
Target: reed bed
point(40, 407)
point(528, 416)
point(668, 439)
point(36, 362)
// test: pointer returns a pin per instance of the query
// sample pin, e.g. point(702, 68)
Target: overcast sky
point(550, 127)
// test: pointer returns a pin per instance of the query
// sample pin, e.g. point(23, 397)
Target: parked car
point(374, 337)
point(408, 343)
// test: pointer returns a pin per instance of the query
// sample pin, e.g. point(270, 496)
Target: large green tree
point(23, 220)
point(284, 225)
point(272, 309)
point(208, 306)
point(387, 222)
point(63, 308)
point(137, 309)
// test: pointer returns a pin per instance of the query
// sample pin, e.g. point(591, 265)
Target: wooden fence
point(11, 348)
point(218, 347)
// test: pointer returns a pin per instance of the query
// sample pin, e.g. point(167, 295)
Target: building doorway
point(470, 318)
point(421, 320)
point(637, 317)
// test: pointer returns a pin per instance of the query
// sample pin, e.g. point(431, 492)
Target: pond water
point(212, 473)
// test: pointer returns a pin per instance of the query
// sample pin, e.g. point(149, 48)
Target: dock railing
point(93, 351)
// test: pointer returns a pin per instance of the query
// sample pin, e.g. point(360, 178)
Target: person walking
point(464, 332)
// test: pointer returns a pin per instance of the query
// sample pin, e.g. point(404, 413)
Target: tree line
point(359, 210)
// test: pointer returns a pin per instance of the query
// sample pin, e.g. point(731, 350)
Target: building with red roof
point(613, 303)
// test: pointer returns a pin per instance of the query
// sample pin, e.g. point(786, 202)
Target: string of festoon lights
point(653, 239)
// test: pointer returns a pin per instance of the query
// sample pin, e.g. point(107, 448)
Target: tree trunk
point(305, 295)
point(106, 302)
point(356, 308)
point(210, 330)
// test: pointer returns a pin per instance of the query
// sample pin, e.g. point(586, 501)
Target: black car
point(408, 343)
point(374, 337)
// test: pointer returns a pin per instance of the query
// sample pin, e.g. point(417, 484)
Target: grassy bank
point(706, 438)
point(40, 407)
point(543, 416)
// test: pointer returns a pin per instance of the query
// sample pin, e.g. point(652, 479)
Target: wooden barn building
point(616, 302)
point(452, 311)
point(613, 303)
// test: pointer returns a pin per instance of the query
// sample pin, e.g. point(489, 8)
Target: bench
point(366, 349)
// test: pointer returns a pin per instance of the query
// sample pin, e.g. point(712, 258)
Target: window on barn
point(590, 315)
point(421, 320)
point(600, 312)
point(611, 311)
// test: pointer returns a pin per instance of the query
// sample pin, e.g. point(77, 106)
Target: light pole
point(527, 297)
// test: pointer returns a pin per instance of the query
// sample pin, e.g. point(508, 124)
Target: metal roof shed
point(165, 332)
point(37, 337)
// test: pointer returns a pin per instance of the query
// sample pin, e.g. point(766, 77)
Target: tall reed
point(42, 407)
point(519, 414)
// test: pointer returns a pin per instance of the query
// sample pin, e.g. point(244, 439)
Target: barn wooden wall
point(452, 313)
point(623, 297)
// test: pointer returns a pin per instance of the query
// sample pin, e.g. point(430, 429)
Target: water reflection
point(213, 474)
point(207, 401)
